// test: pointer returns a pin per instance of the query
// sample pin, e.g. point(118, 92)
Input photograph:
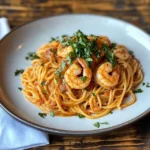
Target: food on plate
point(84, 75)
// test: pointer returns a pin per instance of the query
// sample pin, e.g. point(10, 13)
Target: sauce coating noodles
point(91, 80)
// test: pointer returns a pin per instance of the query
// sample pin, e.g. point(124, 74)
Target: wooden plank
point(20, 12)
point(134, 137)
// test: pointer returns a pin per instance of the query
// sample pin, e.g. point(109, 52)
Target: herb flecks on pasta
point(81, 75)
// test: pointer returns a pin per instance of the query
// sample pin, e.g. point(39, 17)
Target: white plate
point(28, 38)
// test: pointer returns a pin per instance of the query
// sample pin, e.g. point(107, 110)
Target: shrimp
point(107, 76)
point(121, 52)
point(64, 51)
point(102, 40)
point(78, 68)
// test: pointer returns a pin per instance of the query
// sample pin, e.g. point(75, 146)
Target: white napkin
point(13, 134)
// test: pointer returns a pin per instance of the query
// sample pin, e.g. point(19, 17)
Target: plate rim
point(70, 132)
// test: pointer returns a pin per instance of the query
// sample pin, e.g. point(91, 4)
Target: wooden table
point(133, 137)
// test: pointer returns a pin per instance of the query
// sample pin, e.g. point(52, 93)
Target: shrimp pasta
point(81, 74)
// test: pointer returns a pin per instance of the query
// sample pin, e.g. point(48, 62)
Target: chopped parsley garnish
point(130, 52)
point(52, 114)
point(64, 36)
point(59, 48)
point(113, 45)
point(71, 57)
point(56, 79)
point(32, 56)
point(83, 78)
point(138, 91)
point(93, 94)
point(81, 116)
point(111, 112)
point(105, 123)
point(17, 72)
point(61, 76)
point(20, 88)
point(42, 115)
point(89, 59)
point(148, 84)
point(54, 39)
point(42, 64)
point(44, 91)
point(109, 55)
point(58, 72)
point(82, 47)
point(94, 36)
point(97, 124)
point(43, 83)
point(68, 58)
point(63, 65)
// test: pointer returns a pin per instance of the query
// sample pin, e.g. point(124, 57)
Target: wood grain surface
point(133, 137)
point(18, 12)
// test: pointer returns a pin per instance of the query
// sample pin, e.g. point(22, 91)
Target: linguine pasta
point(86, 75)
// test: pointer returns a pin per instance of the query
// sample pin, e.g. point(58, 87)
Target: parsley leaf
point(43, 83)
point(52, 114)
point(42, 115)
point(148, 85)
point(68, 58)
point(97, 124)
point(64, 36)
point(17, 72)
point(105, 123)
point(138, 91)
point(42, 64)
point(58, 71)
point(56, 79)
point(44, 91)
point(83, 78)
point(20, 88)
point(88, 59)
point(82, 47)
point(113, 45)
point(111, 112)
point(32, 56)
point(109, 55)
point(81, 116)
point(143, 83)
point(93, 94)
point(63, 65)
point(130, 52)
point(54, 39)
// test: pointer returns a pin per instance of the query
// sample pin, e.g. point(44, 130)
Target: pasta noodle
point(68, 81)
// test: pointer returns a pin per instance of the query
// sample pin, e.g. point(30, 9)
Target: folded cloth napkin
point(13, 134)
